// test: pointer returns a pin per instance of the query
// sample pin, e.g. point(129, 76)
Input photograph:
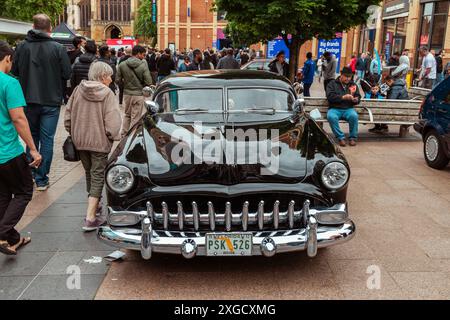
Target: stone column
point(166, 24)
point(177, 24)
point(412, 29)
point(188, 25)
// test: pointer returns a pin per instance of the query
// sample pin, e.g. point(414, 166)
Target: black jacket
point(112, 86)
point(336, 90)
point(151, 61)
point(165, 65)
point(43, 67)
point(80, 69)
point(73, 55)
point(273, 68)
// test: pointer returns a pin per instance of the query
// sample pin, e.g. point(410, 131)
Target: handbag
point(70, 152)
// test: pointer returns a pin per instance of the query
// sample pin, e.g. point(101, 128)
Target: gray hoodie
point(402, 70)
point(329, 68)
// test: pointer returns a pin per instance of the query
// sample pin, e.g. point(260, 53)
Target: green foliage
point(263, 20)
point(144, 26)
point(303, 19)
point(25, 9)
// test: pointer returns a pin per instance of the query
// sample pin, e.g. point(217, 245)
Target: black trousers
point(325, 84)
point(16, 191)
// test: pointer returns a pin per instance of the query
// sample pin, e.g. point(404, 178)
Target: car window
point(209, 99)
point(254, 66)
point(259, 98)
point(266, 66)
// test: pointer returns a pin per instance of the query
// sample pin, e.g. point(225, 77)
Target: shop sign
point(397, 7)
point(333, 46)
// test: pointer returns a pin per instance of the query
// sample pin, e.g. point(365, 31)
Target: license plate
point(229, 244)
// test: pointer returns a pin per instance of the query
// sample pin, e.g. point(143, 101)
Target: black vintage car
point(226, 163)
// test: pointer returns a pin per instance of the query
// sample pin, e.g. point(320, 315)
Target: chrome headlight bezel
point(114, 173)
point(341, 172)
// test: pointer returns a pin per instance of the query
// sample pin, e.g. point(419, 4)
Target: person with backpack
point(105, 56)
point(135, 75)
point(43, 68)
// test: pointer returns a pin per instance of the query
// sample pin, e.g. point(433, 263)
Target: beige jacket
point(92, 117)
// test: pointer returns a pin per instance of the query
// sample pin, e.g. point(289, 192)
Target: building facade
point(102, 19)
point(184, 24)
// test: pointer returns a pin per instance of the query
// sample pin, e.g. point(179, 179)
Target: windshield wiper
point(261, 110)
point(191, 110)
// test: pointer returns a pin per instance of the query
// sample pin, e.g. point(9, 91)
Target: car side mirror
point(148, 91)
point(153, 107)
point(298, 106)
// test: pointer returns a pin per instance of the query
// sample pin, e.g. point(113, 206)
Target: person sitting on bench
point(343, 95)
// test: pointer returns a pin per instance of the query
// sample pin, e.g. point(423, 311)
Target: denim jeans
point(349, 115)
point(43, 121)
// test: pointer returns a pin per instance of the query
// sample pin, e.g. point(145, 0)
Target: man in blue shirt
point(308, 74)
point(16, 184)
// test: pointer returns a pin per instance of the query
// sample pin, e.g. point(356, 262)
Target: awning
point(12, 27)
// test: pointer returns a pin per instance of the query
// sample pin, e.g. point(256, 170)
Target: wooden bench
point(391, 112)
point(417, 93)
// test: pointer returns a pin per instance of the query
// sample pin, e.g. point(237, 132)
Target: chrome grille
point(188, 217)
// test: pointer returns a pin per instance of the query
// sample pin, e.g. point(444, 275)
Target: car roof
point(224, 78)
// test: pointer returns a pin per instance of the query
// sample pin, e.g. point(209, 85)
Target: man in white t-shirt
point(428, 69)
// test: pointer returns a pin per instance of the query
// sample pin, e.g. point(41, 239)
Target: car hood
point(180, 151)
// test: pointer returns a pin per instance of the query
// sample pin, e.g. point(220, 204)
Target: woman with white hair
point(93, 120)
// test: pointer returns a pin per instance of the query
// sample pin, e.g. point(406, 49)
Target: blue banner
point(154, 11)
point(333, 46)
point(275, 46)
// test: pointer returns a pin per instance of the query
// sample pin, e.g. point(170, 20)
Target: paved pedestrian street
point(401, 208)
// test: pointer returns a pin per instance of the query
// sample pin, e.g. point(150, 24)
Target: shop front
point(367, 33)
point(434, 16)
point(395, 20)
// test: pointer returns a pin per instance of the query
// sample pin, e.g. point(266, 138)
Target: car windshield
point(259, 99)
point(195, 100)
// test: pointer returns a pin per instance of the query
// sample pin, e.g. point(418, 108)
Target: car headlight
point(334, 175)
point(120, 179)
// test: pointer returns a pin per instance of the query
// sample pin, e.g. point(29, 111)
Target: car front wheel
point(433, 151)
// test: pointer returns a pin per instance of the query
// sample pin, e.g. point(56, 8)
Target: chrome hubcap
point(432, 148)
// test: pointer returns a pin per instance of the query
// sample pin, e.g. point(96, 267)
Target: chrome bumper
point(267, 243)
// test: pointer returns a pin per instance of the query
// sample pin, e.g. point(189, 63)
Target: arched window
point(115, 10)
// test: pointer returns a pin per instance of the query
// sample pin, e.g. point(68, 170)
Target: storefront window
point(394, 36)
point(366, 39)
point(434, 24)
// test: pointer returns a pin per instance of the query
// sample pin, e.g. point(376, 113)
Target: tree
point(144, 26)
point(296, 21)
point(25, 9)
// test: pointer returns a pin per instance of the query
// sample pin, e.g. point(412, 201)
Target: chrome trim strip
point(195, 215)
point(165, 215)
point(245, 216)
point(291, 214)
point(260, 214)
point(276, 214)
point(228, 216)
point(212, 216)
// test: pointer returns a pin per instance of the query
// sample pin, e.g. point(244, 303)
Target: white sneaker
point(42, 188)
